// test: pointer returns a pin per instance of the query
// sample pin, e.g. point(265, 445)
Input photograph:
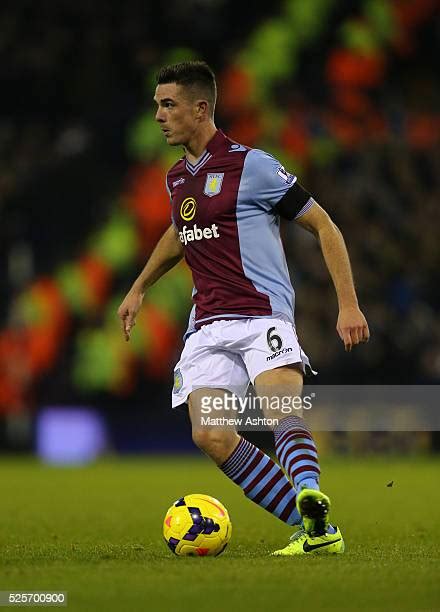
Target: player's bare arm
point(167, 253)
point(352, 326)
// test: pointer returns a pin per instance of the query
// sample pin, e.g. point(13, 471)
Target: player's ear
point(202, 109)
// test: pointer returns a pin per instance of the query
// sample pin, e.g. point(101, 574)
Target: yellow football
point(197, 525)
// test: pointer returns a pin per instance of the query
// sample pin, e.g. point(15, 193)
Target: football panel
point(210, 506)
point(211, 544)
point(177, 522)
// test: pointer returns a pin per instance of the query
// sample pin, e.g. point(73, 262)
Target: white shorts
point(230, 354)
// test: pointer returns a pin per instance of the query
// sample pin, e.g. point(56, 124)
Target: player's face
point(176, 113)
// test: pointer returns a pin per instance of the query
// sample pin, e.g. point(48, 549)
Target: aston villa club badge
point(178, 381)
point(213, 184)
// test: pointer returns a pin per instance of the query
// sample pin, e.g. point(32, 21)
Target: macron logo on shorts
point(278, 353)
point(196, 233)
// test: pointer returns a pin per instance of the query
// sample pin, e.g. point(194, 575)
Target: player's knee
point(205, 437)
point(213, 440)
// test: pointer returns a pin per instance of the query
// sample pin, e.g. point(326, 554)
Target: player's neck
point(195, 147)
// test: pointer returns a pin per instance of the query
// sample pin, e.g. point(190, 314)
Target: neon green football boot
point(315, 537)
point(301, 543)
point(314, 508)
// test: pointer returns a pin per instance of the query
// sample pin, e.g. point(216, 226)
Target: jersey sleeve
point(171, 199)
point(266, 179)
point(270, 186)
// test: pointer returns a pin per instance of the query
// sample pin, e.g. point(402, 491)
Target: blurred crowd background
point(345, 93)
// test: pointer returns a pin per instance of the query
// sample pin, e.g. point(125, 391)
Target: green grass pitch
point(96, 532)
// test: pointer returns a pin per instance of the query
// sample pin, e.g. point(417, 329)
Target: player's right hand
point(128, 310)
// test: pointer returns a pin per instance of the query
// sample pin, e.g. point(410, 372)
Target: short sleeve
point(171, 199)
point(168, 188)
point(264, 180)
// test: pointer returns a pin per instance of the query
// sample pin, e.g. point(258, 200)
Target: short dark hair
point(195, 75)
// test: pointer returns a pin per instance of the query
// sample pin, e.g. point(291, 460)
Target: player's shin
point(262, 481)
point(296, 451)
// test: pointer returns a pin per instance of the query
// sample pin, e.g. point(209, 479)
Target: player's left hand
point(352, 327)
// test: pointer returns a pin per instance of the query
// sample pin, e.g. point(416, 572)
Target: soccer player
point(227, 200)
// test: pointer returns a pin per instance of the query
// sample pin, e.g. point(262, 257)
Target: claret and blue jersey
point(225, 208)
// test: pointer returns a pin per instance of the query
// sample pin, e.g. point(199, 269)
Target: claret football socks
point(262, 481)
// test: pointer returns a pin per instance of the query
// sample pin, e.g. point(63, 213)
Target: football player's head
point(185, 95)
